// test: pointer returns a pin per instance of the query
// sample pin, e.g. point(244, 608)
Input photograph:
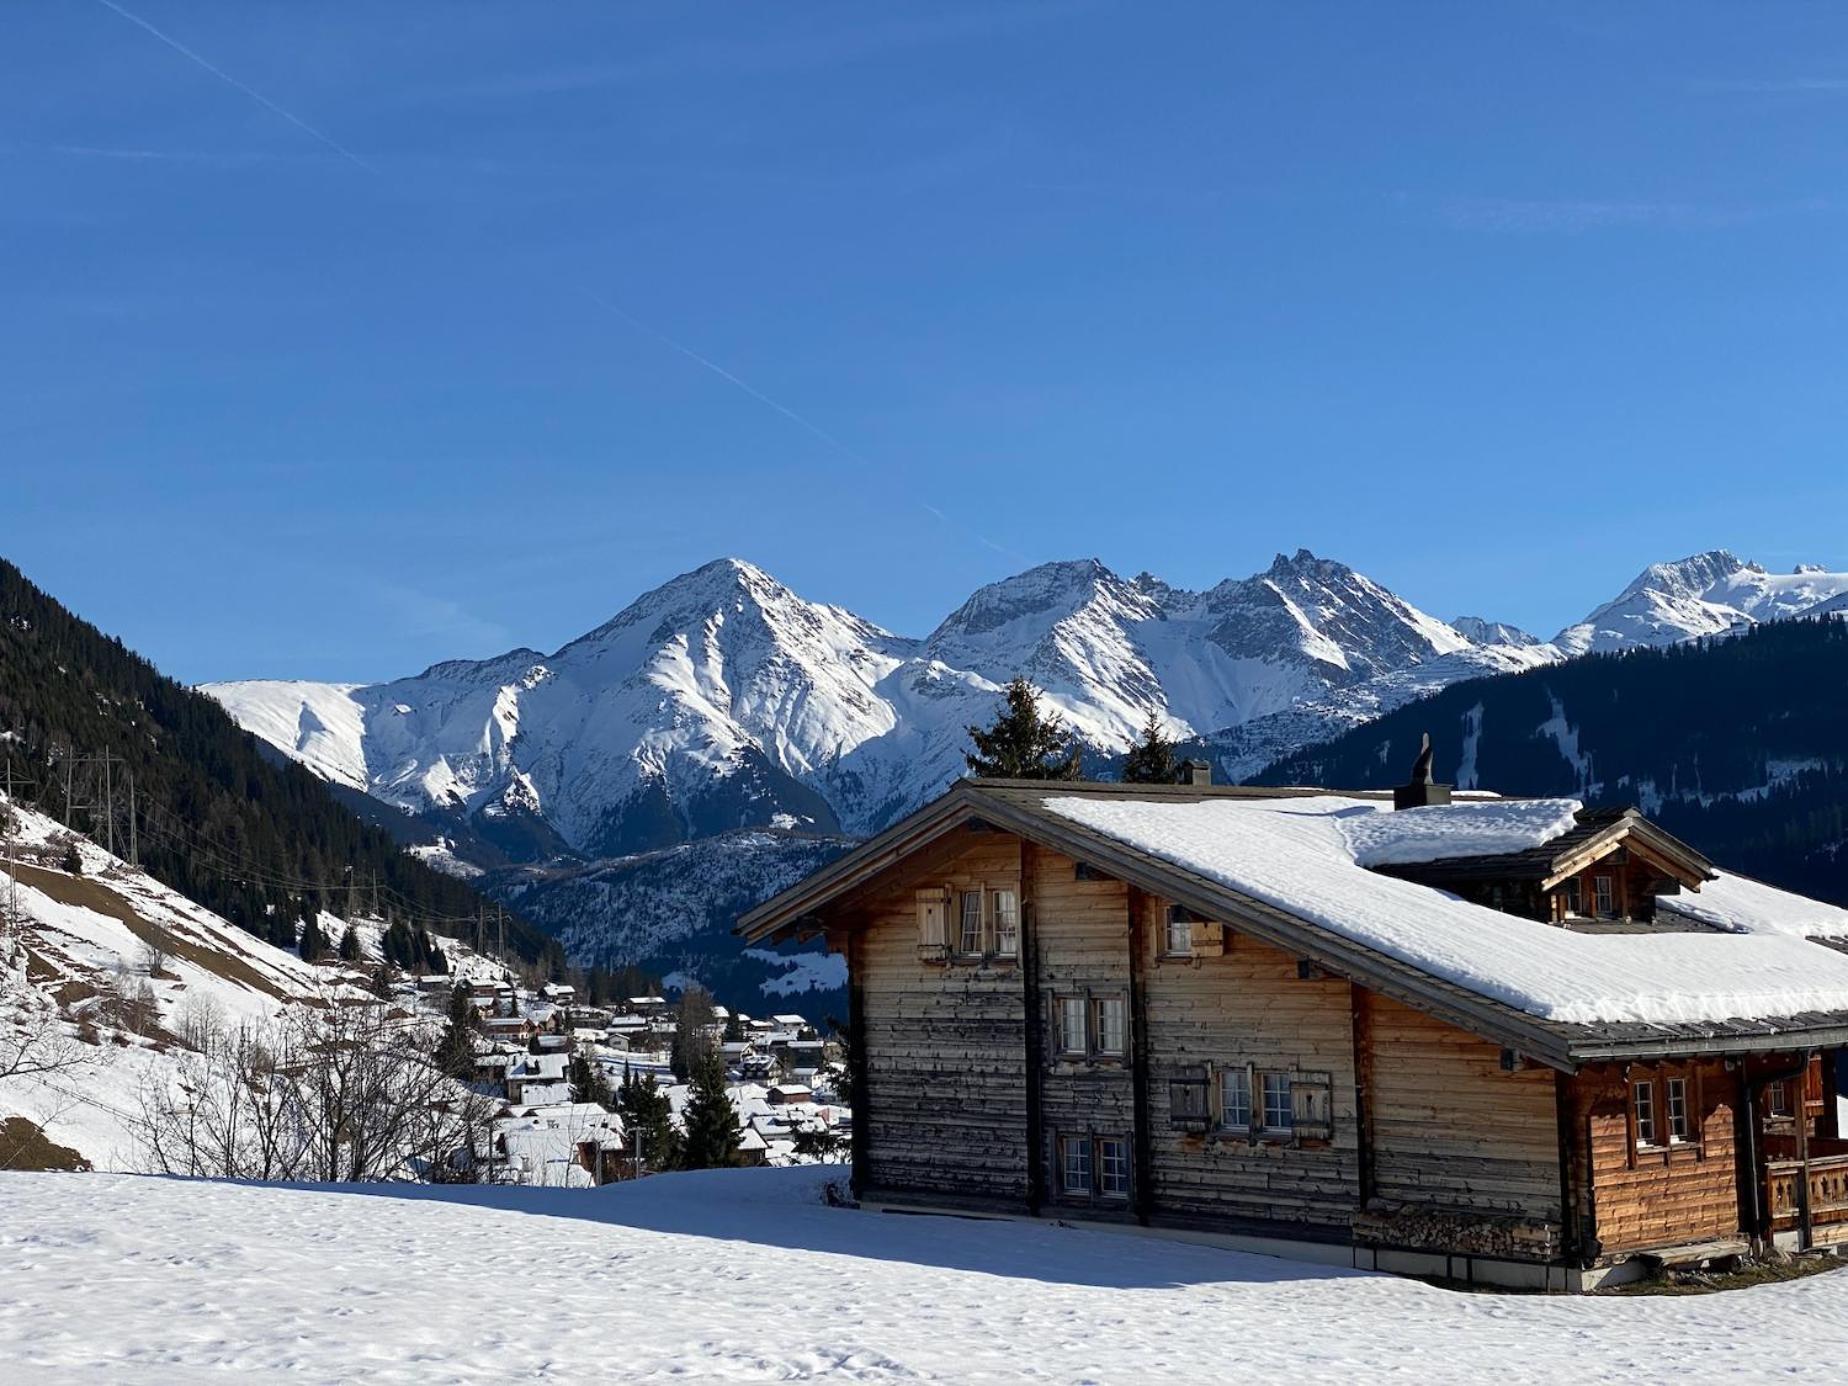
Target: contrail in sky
point(231, 81)
point(703, 361)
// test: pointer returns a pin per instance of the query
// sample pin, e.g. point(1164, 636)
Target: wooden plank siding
point(1643, 1198)
point(1450, 1128)
point(1081, 949)
point(944, 1042)
point(1247, 1005)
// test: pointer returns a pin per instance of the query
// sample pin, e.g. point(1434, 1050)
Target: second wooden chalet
point(1495, 1040)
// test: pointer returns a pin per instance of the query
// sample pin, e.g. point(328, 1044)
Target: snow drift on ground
point(1298, 855)
point(745, 1275)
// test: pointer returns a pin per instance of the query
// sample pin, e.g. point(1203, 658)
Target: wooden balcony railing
point(1828, 1191)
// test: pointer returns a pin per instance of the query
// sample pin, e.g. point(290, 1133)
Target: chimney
point(1198, 773)
point(1423, 790)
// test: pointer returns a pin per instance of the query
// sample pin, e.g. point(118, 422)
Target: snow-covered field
point(746, 1276)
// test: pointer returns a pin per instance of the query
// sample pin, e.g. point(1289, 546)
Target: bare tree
point(342, 1093)
point(33, 1037)
point(154, 955)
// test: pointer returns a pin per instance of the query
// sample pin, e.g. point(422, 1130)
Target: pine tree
point(587, 1082)
point(712, 1133)
point(455, 1052)
point(73, 859)
point(349, 945)
point(1150, 760)
point(313, 946)
point(381, 981)
point(647, 1120)
point(1022, 744)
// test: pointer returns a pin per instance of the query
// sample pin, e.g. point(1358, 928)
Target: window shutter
point(1209, 939)
point(1312, 1108)
point(934, 922)
point(1189, 1105)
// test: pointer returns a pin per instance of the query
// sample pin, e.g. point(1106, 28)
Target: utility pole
point(134, 846)
point(500, 916)
point(13, 786)
point(108, 806)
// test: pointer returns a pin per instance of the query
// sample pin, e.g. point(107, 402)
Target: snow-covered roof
point(1467, 829)
point(1740, 905)
point(1303, 856)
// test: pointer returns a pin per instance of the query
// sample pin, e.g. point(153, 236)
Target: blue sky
point(356, 336)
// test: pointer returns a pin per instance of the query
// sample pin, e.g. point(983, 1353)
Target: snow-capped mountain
point(1706, 594)
point(723, 700)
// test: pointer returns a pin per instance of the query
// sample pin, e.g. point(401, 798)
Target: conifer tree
point(587, 1082)
point(1150, 760)
point(712, 1133)
point(1022, 744)
point(455, 1052)
point(647, 1120)
point(692, 1041)
point(73, 860)
point(313, 946)
point(349, 945)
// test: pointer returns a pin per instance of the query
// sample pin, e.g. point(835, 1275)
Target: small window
point(1279, 1112)
point(1601, 893)
point(1675, 1105)
point(1112, 1025)
point(1075, 1164)
point(1642, 1099)
point(1007, 924)
point(1777, 1100)
point(1235, 1099)
point(1575, 898)
point(1113, 1167)
point(969, 939)
point(1179, 942)
point(1073, 1038)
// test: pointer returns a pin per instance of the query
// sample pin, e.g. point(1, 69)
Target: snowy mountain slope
point(1705, 594)
point(120, 966)
point(671, 911)
point(722, 702)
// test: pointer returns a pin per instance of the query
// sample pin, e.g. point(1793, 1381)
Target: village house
point(1506, 1041)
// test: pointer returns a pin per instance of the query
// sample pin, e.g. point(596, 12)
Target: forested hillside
point(1738, 744)
point(97, 737)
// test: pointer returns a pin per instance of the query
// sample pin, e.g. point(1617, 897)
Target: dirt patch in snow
point(86, 893)
point(24, 1146)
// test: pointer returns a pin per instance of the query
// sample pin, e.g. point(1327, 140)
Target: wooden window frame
point(1103, 1193)
point(1081, 1003)
point(1643, 1100)
point(1076, 1144)
point(1675, 1093)
point(1221, 1122)
point(996, 934)
point(1572, 898)
point(963, 896)
point(1664, 1144)
point(1178, 917)
point(1091, 1003)
point(1261, 1115)
point(1604, 896)
point(1099, 1048)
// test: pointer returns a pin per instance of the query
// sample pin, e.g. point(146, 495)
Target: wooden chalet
point(1056, 1018)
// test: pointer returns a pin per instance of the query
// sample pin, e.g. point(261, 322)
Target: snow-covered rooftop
point(1304, 856)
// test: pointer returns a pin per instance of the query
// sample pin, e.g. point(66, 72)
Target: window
point(1072, 1036)
point(1113, 1167)
point(1777, 1100)
point(1112, 1025)
point(1075, 1164)
point(1279, 1113)
point(1235, 1099)
point(1601, 894)
point(1574, 898)
point(1007, 924)
point(1642, 1100)
point(1675, 1103)
point(969, 939)
point(1180, 933)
